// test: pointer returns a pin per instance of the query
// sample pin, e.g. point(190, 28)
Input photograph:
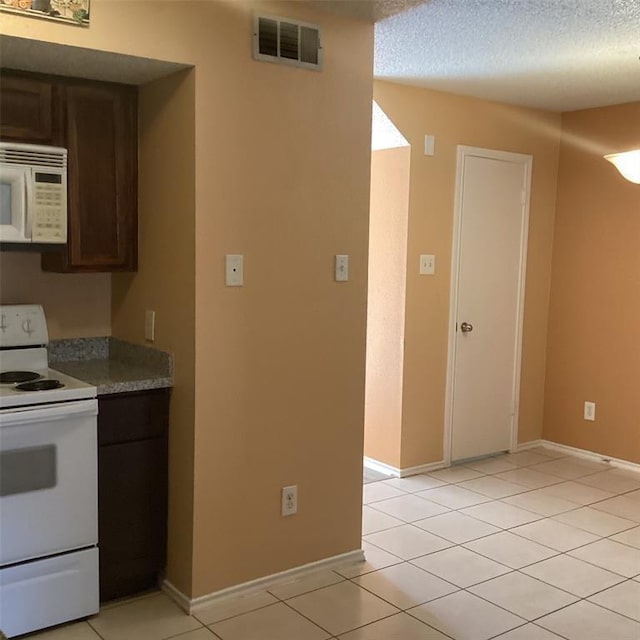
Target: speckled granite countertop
point(112, 365)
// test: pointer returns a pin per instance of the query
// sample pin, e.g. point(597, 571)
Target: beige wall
point(282, 176)
point(165, 283)
point(280, 362)
point(76, 305)
point(386, 304)
point(458, 120)
point(594, 336)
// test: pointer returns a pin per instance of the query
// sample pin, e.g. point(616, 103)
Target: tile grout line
point(623, 579)
point(600, 537)
point(467, 588)
point(500, 500)
point(526, 620)
point(456, 589)
point(94, 630)
point(207, 625)
point(602, 606)
point(184, 633)
point(408, 612)
point(306, 617)
point(508, 530)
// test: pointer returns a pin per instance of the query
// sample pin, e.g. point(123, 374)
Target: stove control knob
point(26, 326)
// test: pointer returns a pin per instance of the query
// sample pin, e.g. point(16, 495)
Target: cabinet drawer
point(126, 417)
point(39, 594)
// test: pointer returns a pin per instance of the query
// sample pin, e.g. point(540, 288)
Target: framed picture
point(69, 11)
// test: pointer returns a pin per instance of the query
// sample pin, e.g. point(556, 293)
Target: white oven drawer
point(47, 592)
point(48, 480)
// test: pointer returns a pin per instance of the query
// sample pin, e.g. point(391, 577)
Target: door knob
point(465, 327)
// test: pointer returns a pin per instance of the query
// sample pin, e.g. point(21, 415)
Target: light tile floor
point(525, 546)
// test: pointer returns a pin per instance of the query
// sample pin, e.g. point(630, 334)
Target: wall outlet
point(149, 325)
point(590, 411)
point(290, 500)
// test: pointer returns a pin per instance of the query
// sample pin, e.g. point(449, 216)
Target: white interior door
point(487, 295)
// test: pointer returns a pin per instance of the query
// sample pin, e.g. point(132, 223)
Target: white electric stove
point(48, 482)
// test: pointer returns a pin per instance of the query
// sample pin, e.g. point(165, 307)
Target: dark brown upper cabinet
point(100, 123)
point(97, 123)
point(29, 110)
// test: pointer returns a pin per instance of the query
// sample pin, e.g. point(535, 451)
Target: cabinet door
point(101, 136)
point(132, 498)
point(132, 490)
point(27, 110)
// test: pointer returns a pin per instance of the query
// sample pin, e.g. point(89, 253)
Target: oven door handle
point(15, 417)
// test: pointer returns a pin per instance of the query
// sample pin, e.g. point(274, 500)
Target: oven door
point(48, 480)
point(13, 204)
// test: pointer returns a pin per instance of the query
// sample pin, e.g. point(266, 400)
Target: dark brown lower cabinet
point(132, 491)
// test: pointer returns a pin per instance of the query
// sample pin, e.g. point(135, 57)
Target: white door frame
point(527, 160)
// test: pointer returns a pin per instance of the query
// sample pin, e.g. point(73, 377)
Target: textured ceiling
point(371, 10)
point(551, 54)
point(560, 55)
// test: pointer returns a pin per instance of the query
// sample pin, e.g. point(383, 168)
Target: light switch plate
point(342, 268)
point(429, 145)
point(427, 265)
point(149, 325)
point(234, 276)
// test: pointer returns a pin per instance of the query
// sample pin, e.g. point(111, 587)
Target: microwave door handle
point(28, 209)
point(17, 181)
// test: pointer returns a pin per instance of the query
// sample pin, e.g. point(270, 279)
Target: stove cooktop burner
point(11, 377)
point(39, 385)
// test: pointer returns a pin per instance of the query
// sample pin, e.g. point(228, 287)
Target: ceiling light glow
point(627, 163)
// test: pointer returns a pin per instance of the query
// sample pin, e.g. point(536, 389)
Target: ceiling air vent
point(287, 42)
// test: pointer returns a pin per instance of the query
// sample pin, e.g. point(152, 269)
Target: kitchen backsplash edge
point(78, 349)
point(110, 348)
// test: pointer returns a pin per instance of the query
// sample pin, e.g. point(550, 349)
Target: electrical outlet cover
point(590, 411)
point(290, 500)
point(427, 264)
point(342, 268)
point(234, 270)
point(150, 325)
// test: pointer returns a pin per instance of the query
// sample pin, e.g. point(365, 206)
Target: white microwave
point(33, 194)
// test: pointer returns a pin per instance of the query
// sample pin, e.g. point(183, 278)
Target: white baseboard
point(396, 472)
point(591, 455)
point(523, 446)
point(177, 596)
point(422, 468)
point(581, 453)
point(191, 605)
point(382, 467)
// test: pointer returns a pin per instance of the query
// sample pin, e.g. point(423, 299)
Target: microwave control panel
point(49, 208)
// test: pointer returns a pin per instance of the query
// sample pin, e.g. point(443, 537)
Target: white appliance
point(33, 194)
point(48, 482)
